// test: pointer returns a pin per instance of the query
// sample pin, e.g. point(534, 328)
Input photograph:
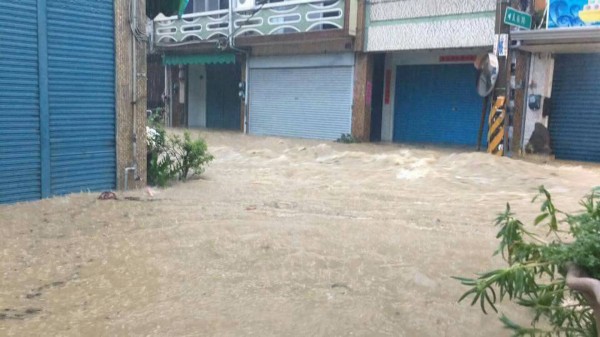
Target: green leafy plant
point(188, 155)
point(159, 162)
point(156, 117)
point(347, 138)
point(159, 170)
point(171, 157)
point(556, 276)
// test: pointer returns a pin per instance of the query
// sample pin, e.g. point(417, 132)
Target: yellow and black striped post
point(496, 130)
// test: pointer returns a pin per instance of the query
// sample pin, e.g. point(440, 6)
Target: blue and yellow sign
point(573, 13)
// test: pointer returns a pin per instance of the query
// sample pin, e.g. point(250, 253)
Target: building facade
point(271, 68)
point(395, 71)
point(561, 88)
point(426, 85)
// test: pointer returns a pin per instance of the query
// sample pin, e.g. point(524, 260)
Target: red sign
point(388, 83)
point(457, 58)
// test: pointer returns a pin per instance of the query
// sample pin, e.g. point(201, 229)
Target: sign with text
point(457, 58)
point(501, 45)
point(516, 18)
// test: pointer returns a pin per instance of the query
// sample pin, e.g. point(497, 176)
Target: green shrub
point(159, 162)
point(159, 170)
point(347, 138)
point(171, 157)
point(545, 274)
point(188, 155)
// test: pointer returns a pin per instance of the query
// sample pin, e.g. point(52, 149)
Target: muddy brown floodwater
point(280, 237)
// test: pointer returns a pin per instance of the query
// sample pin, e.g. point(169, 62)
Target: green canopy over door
point(224, 58)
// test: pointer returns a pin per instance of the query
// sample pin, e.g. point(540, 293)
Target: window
point(210, 5)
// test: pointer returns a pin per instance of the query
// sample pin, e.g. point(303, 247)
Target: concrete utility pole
point(130, 64)
point(499, 121)
point(520, 74)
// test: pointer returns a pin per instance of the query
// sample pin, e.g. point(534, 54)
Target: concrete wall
point(362, 96)
point(389, 89)
point(392, 60)
point(429, 24)
point(128, 106)
point(304, 48)
point(541, 74)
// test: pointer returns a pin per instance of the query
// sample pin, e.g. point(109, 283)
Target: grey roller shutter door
point(305, 102)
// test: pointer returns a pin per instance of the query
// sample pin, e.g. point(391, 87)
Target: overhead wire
point(139, 35)
point(544, 17)
point(245, 22)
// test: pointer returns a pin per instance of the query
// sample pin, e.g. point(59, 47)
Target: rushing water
point(278, 238)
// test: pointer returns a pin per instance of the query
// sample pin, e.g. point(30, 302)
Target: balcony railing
point(297, 16)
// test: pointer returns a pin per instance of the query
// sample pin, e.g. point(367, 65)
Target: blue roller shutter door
point(82, 95)
point(575, 108)
point(437, 104)
point(57, 103)
point(20, 158)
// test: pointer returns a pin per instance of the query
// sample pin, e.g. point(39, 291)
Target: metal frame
point(567, 40)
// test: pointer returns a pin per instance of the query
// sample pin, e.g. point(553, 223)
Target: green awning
point(223, 58)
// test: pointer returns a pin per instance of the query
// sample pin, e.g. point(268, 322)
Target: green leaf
point(491, 303)
point(553, 223)
point(482, 302)
point(477, 295)
point(540, 218)
point(465, 281)
point(465, 295)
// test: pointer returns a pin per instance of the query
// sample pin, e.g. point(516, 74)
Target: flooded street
point(279, 237)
